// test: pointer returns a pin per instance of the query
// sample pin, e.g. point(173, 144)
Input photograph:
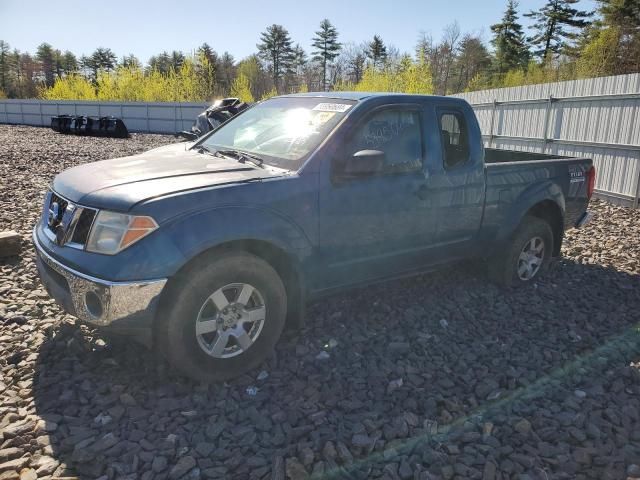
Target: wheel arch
point(550, 212)
point(286, 266)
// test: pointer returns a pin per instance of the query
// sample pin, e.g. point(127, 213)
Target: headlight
point(113, 232)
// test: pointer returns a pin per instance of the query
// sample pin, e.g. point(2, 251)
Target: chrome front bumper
point(95, 301)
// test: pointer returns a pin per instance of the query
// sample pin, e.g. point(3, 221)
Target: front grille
point(57, 219)
point(83, 226)
point(67, 223)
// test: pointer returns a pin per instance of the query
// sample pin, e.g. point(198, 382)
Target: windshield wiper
point(203, 149)
point(242, 157)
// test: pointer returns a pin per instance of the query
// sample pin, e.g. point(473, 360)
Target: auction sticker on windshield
point(332, 107)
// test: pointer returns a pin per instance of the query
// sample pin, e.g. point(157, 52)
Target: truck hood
point(120, 183)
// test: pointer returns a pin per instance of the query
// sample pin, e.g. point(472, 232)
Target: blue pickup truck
point(205, 250)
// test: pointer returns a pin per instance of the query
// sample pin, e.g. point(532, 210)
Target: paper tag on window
point(332, 107)
point(321, 118)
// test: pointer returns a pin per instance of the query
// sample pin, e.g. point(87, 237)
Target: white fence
point(597, 118)
point(157, 117)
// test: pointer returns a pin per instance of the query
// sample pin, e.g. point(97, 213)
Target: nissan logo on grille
point(54, 215)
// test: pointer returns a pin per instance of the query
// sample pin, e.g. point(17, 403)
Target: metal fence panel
point(597, 118)
point(154, 117)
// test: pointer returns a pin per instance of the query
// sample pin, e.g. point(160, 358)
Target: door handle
point(422, 192)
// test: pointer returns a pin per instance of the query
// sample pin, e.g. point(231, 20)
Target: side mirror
point(364, 163)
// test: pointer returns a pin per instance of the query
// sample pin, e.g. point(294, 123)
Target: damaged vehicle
point(219, 112)
point(206, 250)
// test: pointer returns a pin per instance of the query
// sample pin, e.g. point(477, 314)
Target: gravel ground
point(439, 376)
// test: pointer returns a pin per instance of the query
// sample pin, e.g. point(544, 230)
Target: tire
point(195, 304)
point(508, 268)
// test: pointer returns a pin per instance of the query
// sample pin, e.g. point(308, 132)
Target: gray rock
point(10, 243)
point(184, 465)
point(295, 470)
point(159, 464)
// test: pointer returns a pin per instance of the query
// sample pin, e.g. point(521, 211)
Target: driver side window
point(394, 131)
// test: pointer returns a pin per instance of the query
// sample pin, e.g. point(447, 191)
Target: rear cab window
point(454, 136)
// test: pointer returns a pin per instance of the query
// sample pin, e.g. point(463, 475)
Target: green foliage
point(326, 47)
point(271, 93)
point(276, 49)
point(72, 87)
point(376, 50)
point(192, 81)
point(556, 26)
point(241, 88)
point(508, 40)
point(409, 77)
point(599, 56)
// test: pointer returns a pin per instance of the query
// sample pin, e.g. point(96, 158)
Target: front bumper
point(95, 301)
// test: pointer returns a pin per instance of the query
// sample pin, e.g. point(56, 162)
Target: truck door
point(457, 182)
point(379, 224)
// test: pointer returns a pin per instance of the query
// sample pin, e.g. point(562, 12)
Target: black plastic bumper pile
point(94, 126)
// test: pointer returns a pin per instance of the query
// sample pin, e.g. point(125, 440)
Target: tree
point(621, 13)
point(376, 50)
point(102, 59)
point(225, 72)
point(258, 79)
point(508, 40)
point(623, 16)
point(473, 58)
point(448, 51)
point(356, 67)
point(6, 65)
point(46, 57)
point(69, 62)
point(161, 62)
point(177, 59)
point(275, 48)
point(241, 88)
point(131, 61)
point(555, 25)
point(326, 47)
point(209, 53)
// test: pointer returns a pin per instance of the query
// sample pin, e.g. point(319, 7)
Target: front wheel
point(226, 318)
point(527, 255)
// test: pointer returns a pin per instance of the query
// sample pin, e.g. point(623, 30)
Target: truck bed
point(511, 174)
point(496, 155)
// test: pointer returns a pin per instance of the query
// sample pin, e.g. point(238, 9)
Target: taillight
point(591, 181)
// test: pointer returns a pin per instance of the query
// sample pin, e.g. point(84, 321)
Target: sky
point(146, 28)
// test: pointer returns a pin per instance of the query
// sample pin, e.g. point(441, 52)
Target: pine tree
point(508, 39)
point(177, 59)
point(275, 48)
point(5, 65)
point(209, 53)
point(622, 17)
point(555, 27)
point(624, 14)
point(326, 47)
point(131, 61)
point(46, 57)
point(69, 62)
point(376, 50)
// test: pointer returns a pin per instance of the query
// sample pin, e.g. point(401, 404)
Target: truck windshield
point(282, 131)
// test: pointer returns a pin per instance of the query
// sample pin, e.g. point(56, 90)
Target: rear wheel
point(226, 318)
point(526, 257)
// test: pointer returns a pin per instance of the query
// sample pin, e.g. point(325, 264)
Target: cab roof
point(357, 96)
